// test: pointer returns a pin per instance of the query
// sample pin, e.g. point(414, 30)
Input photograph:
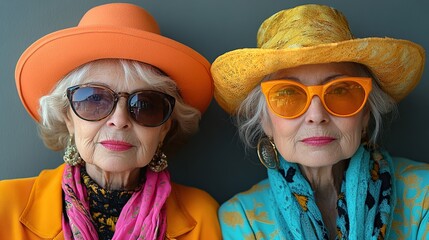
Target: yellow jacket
point(31, 208)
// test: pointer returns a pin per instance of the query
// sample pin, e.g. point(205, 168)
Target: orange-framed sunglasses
point(342, 97)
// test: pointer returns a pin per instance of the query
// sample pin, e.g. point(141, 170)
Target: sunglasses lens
point(287, 100)
point(150, 108)
point(92, 103)
point(344, 98)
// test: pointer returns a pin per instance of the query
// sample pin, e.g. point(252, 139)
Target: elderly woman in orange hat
point(311, 99)
point(113, 93)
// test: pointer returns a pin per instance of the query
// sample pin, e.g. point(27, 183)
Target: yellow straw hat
point(312, 34)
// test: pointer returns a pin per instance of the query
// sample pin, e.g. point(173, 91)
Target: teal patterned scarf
point(365, 204)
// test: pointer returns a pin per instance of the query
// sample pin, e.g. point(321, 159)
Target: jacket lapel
point(179, 221)
point(41, 215)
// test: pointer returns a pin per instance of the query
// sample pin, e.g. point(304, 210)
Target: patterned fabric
point(142, 217)
point(361, 211)
point(367, 216)
point(104, 205)
point(250, 215)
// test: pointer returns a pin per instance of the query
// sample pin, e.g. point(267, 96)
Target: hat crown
point(303, 26)
point(113, 15)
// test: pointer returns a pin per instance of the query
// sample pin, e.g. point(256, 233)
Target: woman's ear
point(366, 116)
point(69, 121)
point(267, 126)
point(165, 128)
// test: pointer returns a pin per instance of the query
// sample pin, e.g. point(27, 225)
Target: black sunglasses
point(94, 102)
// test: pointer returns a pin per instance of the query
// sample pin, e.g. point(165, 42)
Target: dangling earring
point(71, 155)
point(159, 160)
point(267, 153)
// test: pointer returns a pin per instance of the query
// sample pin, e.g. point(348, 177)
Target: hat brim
point(53, 56)
point(398, 64)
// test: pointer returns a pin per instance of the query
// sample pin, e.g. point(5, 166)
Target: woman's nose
point(316, 112)
point(120, 118)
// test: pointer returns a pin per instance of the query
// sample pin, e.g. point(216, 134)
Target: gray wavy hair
point(55, 106)
point(253, 113)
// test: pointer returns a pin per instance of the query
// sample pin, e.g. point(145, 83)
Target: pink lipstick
point(118, 146)
point(318, 141)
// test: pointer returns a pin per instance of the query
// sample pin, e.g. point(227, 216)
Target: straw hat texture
point(313, 34)
point(118, 31)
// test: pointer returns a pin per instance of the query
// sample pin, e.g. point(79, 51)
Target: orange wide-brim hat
point(118, 31)
point(314, 34)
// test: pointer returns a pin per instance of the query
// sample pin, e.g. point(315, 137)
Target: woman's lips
point(318, 141)
point(116, 145)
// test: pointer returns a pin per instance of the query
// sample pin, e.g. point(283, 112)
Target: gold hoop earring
point(159, 160)
point(267, 153)
point(71, 154)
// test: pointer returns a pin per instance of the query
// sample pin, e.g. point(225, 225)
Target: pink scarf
point(143, 217)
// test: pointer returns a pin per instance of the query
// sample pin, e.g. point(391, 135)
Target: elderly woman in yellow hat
point(311, 98)
point(113, 93)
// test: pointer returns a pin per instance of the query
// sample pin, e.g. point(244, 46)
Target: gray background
point(214, 159)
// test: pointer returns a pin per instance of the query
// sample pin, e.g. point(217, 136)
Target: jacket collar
point(41, 215)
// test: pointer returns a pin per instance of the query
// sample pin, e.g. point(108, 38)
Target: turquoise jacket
point(248, 216)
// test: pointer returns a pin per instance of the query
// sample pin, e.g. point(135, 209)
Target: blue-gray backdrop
point(214, 159)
